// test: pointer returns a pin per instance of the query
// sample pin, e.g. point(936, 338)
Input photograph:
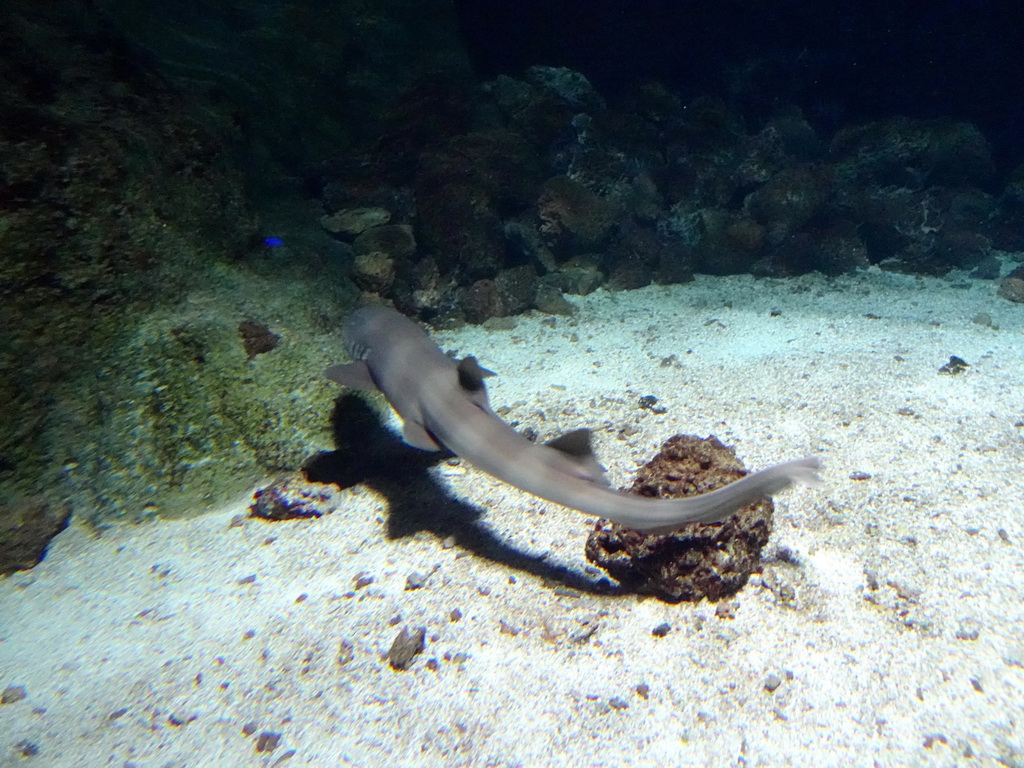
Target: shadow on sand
point(367, 452)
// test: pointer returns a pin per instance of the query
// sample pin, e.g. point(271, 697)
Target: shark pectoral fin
point(415, 435)
point(575, 446)
point(471, 381)
point(472, 374)
point(354, 375)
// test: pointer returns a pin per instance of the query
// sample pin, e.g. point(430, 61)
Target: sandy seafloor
point(895, 626)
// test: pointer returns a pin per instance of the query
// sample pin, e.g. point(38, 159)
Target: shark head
point(363, 327)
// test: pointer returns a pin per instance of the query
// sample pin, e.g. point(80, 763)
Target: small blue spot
point(273, 242)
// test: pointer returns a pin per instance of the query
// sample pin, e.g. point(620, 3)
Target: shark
point(443, 404)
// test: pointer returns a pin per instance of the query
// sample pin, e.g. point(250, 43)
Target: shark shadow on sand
point(367, 452)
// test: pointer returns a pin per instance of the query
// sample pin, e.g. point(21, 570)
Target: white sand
point(919, 661)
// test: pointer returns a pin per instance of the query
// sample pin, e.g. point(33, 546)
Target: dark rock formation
point(26, 528)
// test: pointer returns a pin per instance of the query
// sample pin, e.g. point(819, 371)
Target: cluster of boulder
point(479, 205)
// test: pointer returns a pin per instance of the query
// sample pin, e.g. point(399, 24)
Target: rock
point(26, 528)
point(481, 301)
point(551, 301)
point(395, 240)
point(580, 275)
point(257, 338)
point(902, 151)
point(406, 647)
point(352, 222)
point(832, 249)
point(527, 241)
point(1012, 286)
point(267, 741)
point(698, 560)
point(373, 272)
point(428, 289)
point(988, 268)
point(568, 86)
point(292, 497)
point(516, 288)
point(464, 191)
point(789, 200)
point(574, 220)
point(13, 693)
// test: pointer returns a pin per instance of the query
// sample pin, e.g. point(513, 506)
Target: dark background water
point(842, 62)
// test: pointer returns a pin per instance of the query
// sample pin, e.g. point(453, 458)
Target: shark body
point(443, 404)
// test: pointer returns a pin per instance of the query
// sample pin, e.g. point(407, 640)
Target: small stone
point(346, 652)
point(406, 647)
point(650, 403)
point(416, 580)
point(618, 703)
point(968, 631)
point(726, 610)
point(27, 748)
point(955, 366)
point(772, 682)
point(268, 741)
point(182, 718)
point(507, 629)
point(871, 579)
point(934, 738)
point(588, 627)
point(13, 693)
point(662, 629)
point(363, 580)
point(292, 498)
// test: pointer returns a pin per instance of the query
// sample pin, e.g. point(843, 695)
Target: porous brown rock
point(699, 560)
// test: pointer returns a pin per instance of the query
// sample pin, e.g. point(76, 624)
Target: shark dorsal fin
point(472, 374)
point(575, 446)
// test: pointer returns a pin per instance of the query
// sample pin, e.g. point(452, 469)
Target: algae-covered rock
point(181, 417)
